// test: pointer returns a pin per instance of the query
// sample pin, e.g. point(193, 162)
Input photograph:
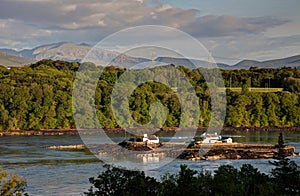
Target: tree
point(186, 181)
point(39, 96)
point(256, 110)
point(226, 181)
point(292, 84)
point(272, 108)
point(11, 184)
point(252, 181)
point(248, 181)
point(280, 140)
point(117, 181)
point(286, 177)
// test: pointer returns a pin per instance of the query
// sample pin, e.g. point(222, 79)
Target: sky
point(232, 29)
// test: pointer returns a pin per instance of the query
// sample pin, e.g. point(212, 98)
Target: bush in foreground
point(227, 180)
point(11, 184)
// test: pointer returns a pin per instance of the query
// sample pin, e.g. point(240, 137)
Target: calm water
point(53, 172)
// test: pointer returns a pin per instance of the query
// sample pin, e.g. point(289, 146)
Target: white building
point(210, 138)
point(151, 139)
point(228, 140)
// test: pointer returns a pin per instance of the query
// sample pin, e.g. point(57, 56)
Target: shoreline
point(56, 132)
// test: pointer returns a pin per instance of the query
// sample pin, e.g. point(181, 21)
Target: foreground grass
point(253, 89)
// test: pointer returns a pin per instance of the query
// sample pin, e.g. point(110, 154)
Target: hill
point(189, 63)
point(14, 61)
point(293, 61)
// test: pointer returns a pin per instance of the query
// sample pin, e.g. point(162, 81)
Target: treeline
point(265, 78)
point(226, 180)
point(39, 96)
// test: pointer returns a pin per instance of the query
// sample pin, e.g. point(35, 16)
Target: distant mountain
point(189, 63)
point(9, 51)
point(9, 60)
point(245, 64)
point(56, 51)
point(181, 61)
point(293, 61)
point(76, 52)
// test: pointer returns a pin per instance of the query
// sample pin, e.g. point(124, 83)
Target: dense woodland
point(39, 96)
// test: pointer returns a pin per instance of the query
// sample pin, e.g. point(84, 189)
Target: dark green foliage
point(292, 84)
point(116, 181)
point(280, 140)
point(252, 182)
point(227, 180)
point(184, 183)
point(39, 96)
point(11, 184)
point(286, 177)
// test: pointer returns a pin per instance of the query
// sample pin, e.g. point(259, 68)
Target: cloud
point(117, 14)
point(81, 21)
point(27, 23)
point(14, 33)
point(212, 25)
point(67, 14)
point(257, 47)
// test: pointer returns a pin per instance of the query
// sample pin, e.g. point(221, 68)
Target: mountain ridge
point(71, 52)
point(9, 60)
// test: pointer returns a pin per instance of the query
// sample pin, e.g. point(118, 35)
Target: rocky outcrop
point(139, 146)
point(68, 147)
point(39, 132)
point(216, 151)
point(235, 151)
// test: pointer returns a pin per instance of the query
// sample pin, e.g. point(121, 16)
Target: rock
point(235, 151)
point(69, 147)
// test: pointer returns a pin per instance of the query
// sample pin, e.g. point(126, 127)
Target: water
point(53, 172)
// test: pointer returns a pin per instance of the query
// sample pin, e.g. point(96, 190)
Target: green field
point(254, 89)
